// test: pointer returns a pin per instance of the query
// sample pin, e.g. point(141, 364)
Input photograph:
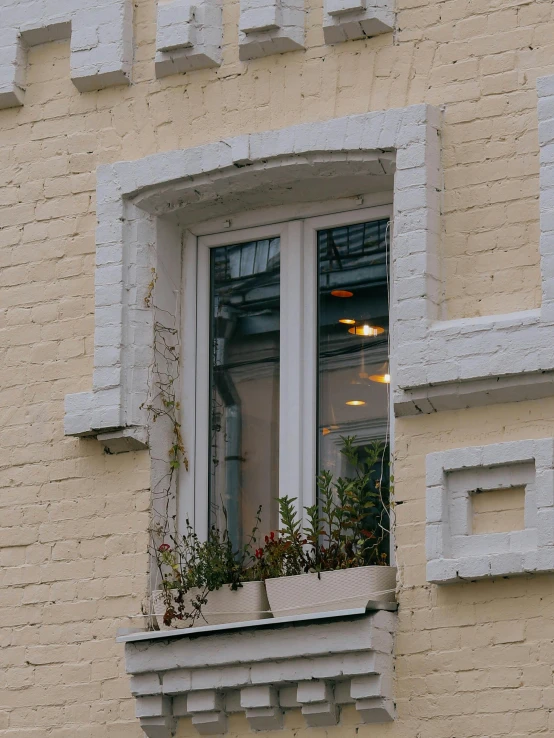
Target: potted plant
point(206, 582)
point(339, 560)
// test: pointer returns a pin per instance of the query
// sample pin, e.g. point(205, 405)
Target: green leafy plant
point(353, 514)
point(347, 527)
point(284, 553)
point(190, 569)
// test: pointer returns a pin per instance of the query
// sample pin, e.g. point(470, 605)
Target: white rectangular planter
point(224, 605)
point(331, 590)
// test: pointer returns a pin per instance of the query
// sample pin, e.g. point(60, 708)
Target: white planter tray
point(331, 590)
point(224, 605)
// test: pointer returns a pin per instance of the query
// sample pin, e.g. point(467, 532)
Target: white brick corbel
point(373, 696)
point(261, 706)
point(189, 36)
point(345, 20)
point(156, 716)
point(270, 27)
point(101, 42)
point(208, 711)
point(375, 710)
point(318, 703)
point(262, 672)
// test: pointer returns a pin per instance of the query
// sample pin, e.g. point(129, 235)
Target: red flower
point(164, 547)
point(259, 553)
point(272, 535)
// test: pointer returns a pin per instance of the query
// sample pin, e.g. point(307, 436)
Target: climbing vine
point(163, 407)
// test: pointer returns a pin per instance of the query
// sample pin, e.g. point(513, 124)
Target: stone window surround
point(215, 180)
point(453, 552)
point(317, 663)
point(435, 365)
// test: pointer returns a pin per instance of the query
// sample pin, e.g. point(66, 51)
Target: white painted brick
point(364, 687)
point(258, 697)
point(270, 27)
point(145, 684)
point(101, 49)
point(375, 710)
point(210, 723)
point(152, 705)
point(320, 714)
point(189, 36)
point(314, 691)
point(545, 526)
point(441, 570)
point(505, 564)
point(265, 718)
point(204, 701)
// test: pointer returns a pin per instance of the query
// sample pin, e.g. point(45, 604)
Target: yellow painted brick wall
point(472, 659)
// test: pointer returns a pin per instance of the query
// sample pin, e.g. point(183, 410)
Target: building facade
point(163, 163)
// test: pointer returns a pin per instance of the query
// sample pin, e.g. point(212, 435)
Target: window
point(290, 323)
point(244, 384)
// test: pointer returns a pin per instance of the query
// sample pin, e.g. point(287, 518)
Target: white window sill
point(263, 668)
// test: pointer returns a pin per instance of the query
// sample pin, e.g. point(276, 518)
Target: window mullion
point(291, 391)
point(309, 364)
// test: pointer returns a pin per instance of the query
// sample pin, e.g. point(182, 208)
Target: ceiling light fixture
point(342, 293)
point(355, 403)
point(382, 376)
point(347, 321)
point(366, 330)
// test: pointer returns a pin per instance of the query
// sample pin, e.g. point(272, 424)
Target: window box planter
point(331, 590)
point(224, 605)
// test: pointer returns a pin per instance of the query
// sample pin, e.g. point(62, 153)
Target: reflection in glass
point(244, 385)
point(353, 341)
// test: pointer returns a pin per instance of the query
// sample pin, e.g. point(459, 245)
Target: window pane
point(244, 385)
point(353, 342)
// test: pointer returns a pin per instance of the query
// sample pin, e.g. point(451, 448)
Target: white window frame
point(298, 346)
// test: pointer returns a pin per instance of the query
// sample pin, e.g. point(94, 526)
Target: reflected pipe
point(232, 420)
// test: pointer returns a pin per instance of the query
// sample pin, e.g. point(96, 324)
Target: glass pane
point(353, 345)
point(244, 385)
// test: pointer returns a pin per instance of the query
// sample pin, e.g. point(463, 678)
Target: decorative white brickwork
point(101, 41)
point(435, 364)
point(263, 672)
point(344, 20)
point(270, 27)
point(189, 35)
point(441, 365)
point(217, 179)
point(453, 551)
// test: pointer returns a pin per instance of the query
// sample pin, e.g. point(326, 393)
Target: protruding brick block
point(344, 20)
point(270, 27)
point(189, 36)
point(101, 42)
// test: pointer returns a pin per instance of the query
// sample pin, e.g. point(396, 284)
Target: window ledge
point(263, 668)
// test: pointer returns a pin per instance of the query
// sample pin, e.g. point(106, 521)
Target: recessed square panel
point(490, 511)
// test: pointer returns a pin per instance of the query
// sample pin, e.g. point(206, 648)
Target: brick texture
point(472, 660)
